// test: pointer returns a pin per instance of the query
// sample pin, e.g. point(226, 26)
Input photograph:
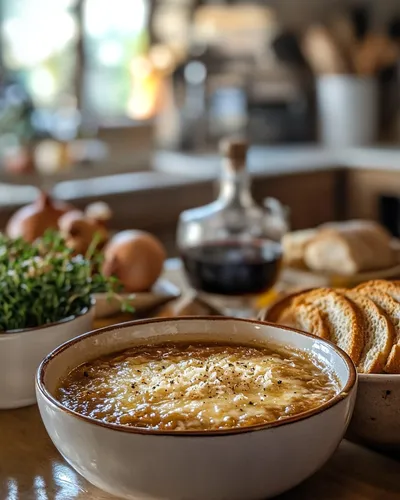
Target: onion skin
point(32, 221)
point(136, 258)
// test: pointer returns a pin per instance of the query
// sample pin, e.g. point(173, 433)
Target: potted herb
point(45, 300)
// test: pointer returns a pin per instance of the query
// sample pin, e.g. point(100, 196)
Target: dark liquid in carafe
point(233, 268)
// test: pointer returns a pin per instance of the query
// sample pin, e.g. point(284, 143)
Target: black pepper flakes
point(85, 374)
point(279, 381)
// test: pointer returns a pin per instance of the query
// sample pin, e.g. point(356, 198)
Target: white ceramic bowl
point(21, 352)
point(252, 463)
point(376, 418)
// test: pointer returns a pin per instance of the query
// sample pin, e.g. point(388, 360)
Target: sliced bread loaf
point(378, 330)
point(342, 316)
point(350, 248)
point(392, 308)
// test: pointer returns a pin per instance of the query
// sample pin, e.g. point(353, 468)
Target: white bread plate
point(251, 462)
point(162, 292)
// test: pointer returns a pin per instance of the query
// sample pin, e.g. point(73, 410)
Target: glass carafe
point(231, 248)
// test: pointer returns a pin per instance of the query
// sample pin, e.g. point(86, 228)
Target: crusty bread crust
point(379, 333)
point(393, 362)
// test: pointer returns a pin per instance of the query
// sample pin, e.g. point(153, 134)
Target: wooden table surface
point(32, 469)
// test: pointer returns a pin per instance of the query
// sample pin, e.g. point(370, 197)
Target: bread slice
point(378, 330)
point(307, 318)
point(392, 309)
point(392, 288)
point(344, 319)
point(275, 310)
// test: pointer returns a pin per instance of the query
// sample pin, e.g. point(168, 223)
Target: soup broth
point(197, 386)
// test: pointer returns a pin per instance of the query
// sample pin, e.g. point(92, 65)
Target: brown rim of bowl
point(378, 377)
point(343, 394)
point(12, 333)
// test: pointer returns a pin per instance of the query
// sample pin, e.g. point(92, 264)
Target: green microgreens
point(44, 282)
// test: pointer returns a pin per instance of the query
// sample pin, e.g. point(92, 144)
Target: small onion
point(32, 221)
point(79, 231)
point(136, 258)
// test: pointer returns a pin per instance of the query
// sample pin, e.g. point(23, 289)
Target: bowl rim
point(68, 319)
point(374, 378)
point(340, 396)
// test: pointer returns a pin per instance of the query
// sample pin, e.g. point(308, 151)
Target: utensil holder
point(348, 110)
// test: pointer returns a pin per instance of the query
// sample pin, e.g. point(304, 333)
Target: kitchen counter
point(314, 183)
point(174, 169)
point(282, 160)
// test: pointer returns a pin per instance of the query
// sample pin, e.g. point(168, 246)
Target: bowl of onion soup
point(196, 407)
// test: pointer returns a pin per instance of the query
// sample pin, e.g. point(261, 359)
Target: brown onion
point(136, 258)
point(80, 231)
point(32, 221)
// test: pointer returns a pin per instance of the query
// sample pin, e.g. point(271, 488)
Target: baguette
point(350, 248)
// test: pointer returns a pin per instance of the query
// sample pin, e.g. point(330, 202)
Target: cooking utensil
point(322, 51)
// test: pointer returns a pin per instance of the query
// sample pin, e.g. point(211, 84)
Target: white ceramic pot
point(348, 110)
point(376, 418)
point(247, 463)
point(21, 353)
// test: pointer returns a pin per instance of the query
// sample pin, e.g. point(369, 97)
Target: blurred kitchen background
point(128, 99)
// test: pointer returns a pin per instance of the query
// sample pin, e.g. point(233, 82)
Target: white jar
point(348, 110)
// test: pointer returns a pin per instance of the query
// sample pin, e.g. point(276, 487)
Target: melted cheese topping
point(197, 386)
